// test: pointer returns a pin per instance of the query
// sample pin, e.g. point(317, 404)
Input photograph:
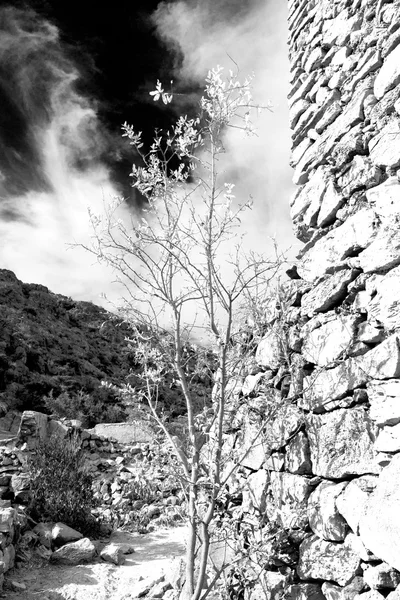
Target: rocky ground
point(152, 564)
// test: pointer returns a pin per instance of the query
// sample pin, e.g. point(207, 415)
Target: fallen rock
point(379, 524)
point(382, 576)
point(323, 515)
point(113, 553)
point(74, 553)
point(327, 560)
point(62, 534)
point(342, 443)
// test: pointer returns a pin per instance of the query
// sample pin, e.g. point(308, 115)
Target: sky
point(69, 79)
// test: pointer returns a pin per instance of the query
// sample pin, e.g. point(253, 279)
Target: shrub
point(61, 488)
point(88, 408)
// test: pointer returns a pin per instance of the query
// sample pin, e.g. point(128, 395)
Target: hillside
point(51, 344)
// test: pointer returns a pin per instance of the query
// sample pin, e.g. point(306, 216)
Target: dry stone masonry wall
point(323, 479)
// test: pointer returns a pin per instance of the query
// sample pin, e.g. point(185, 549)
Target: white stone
point(290, 493)
point(384, 148)
point(326, 294)
point(297, 457)
point(353, 499)
point(332, 200)
point(257, 484)
point(389, 74)
point(308, 200)
point(326, 343)
point(385, 198)
point(341, 443)
point(385, 306)
point(323, 386)
point(384, 398)
point(269, 353)
point(381, 576)
point(388, 439)
point(325, 519)
point(74, 553)
point(380, 523)
point(382, 253)
point(340, 27)
point(357, 231)
point(327, 560)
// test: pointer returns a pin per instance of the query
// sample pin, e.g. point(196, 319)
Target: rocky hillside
point(51, 345)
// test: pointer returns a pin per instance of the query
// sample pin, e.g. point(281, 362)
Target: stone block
point(297, 458)
point(327, 560)
point(324, 386)
point(353, 499)
point(269, 353)
point(389, 74)
point(332, 591)
point(256, 488)
point(356, 233)
point(341, 443)
point(385, 306)
point(323, 515)
point(327, 343)
point(384, 398)
point(305, 591)
point(380, 523)
point(290, 494)
point(327, 293)
point(385, 147)
point(382, 253)
point(382, 577)
point(388, 439)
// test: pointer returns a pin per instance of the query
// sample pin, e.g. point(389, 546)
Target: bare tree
point(185, 271)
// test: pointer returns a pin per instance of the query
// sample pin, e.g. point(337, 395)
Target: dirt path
point(155, 554)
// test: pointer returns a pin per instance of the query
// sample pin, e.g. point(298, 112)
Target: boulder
point(380, 523)
point(382, 576)
point(74, 553)
point(113, 553)
point(327, 560)
point(323, 515)
point(341, 443)
point(352, 501)
point(62, 534)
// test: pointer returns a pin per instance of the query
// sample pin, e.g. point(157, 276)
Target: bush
point(61, 488)
point(90, 409)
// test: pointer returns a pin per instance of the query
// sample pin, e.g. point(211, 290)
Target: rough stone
point(356, 233)
point(339, 28)
point(7, 520)
point(388, 439)
point(305, 591)
point(327, 293)
point(380, 577)
point(113, 553)
point(389, 74)
point(330, 341)
point(62, 534)
point(269, 351)
point(379, 524)
point(257, 484)
point(327, 560)
point(383, 252)
point(371, 595)
point(384, 398)
point(385, 198)
point(290, 494)
point(385, 306)
point(323, 515)
point(341, 443)
point(323, 386)
point(297, 458)
point(385, 147)
point(362, 173)
point(74, 553)
point(332, 591)
point(332, 200)
point(285, 421)
point(352, 500)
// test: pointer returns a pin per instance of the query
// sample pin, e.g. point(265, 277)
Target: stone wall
point(322, 479)
point(133, 478)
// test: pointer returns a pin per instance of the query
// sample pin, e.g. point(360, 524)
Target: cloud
point(251, 35)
